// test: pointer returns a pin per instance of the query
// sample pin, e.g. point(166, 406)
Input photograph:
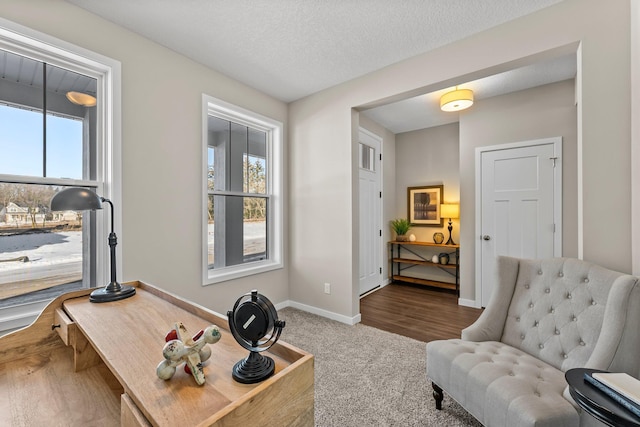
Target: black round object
point(254, 324)
point(254, 319)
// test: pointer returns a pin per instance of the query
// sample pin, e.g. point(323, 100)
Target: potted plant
point(401, 226)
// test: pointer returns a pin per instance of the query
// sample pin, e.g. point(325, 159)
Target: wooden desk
point(107, 374)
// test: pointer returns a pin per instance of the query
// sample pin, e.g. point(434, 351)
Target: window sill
point(236, 272)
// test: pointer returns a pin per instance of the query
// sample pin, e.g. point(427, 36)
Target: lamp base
point(450, 241)
point(253, 369)
point(107, 295)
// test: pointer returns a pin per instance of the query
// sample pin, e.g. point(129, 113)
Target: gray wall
point(543, 112)
point(428, 157)
point(321, 130)
point(161, 239)
point(446, 155)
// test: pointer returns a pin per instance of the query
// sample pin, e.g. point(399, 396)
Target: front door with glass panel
point(370, 266)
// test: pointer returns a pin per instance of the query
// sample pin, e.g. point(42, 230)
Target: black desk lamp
point(448, 210)
point(80, 199)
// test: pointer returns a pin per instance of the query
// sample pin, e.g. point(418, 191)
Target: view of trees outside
point(254, 211)
point(255, 181)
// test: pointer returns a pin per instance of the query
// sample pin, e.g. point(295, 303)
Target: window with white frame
point(242, 192)
point(56, 131)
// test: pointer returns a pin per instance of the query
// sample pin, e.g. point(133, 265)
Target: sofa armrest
point(618, 344)
point(490, 324)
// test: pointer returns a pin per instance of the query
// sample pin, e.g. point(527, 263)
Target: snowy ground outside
point(254, 238)
point(54, 258)
point(43, 250)
point(47, 249)
point(58, 255)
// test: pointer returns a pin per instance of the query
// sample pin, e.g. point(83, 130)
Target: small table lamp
point(80, 199)
point(450, 211)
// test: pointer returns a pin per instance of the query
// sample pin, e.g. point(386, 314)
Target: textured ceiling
point(292, 48)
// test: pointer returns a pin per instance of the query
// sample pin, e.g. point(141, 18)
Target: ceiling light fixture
point(456, 100)
point(83, 99)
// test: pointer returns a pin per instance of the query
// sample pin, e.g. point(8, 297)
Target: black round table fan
point(254, 324)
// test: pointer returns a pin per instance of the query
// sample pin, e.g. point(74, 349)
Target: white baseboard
point(468, 303)
point(320, 312)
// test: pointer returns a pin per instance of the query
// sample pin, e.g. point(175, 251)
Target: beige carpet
point(368, 377)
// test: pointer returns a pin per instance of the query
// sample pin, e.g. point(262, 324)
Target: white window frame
point(274, 129)
point(42, 47)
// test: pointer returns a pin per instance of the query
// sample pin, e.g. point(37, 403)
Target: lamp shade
point(448, 210)
point(75, 199)
point(456, 100)
point(80, 98)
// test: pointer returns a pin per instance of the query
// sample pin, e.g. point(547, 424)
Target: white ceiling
point(292, 48)
point(423, 111)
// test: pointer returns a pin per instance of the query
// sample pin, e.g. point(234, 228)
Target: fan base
point(253, 369)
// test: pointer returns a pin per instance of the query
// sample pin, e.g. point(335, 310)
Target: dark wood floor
point(416, 312)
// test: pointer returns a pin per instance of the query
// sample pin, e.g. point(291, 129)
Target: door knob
point(486, 237)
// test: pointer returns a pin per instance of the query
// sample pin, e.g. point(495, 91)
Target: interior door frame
point(557, 201)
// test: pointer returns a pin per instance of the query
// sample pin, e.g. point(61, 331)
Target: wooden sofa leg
point(437, 395)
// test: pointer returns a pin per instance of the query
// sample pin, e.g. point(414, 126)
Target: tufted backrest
point(557, 310)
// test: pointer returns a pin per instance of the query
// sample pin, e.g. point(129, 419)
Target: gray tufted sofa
point(544, 317)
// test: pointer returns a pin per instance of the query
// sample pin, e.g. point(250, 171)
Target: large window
point(243, 187)
point(55, 104)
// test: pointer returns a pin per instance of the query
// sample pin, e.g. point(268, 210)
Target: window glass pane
point(27, 89)
point(217, 147)
point(256, 169)
point(366, 157)
point(71, 123)
point(236, 162)
point(20, 141)
point(255, 229)
point(21, 103)
point(64, 148)
point(237, 230)
point(210, 168)
point(41, 252)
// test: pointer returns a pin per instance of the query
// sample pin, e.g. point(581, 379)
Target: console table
point(399, 262)
point(82, 363)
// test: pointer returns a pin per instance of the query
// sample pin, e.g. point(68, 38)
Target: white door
point(370, 270)
point(520, 205)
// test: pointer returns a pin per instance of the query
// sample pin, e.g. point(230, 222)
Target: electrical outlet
point(327, 288)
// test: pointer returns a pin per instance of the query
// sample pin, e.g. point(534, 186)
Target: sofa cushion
point(499, 384)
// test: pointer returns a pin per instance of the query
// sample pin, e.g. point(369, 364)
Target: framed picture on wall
point(423, 205)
